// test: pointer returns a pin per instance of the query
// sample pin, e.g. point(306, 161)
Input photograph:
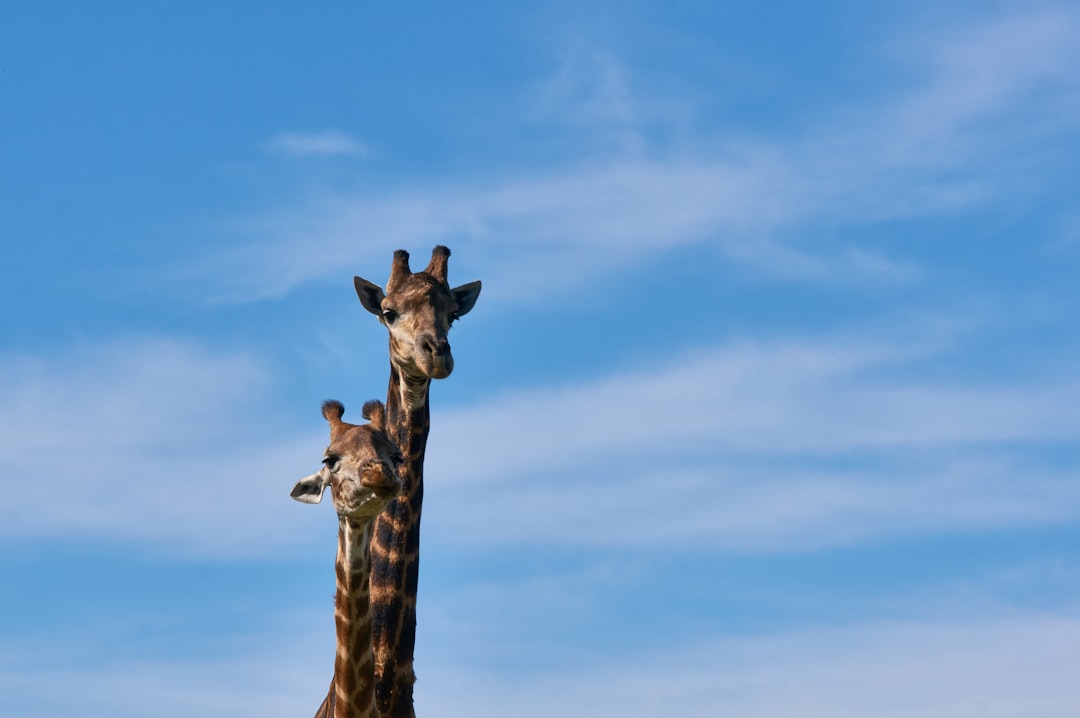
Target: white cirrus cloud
point(150, 440)
point(758, 446)
point(755, 447)
point(956, 137)
point(285, 675)
point(327, 143)
point(978, 668)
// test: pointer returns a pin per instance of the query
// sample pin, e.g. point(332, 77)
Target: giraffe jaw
point(378, 485)
point(426, 366)
point(366, 504)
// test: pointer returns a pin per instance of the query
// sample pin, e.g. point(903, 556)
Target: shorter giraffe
point(360, 466)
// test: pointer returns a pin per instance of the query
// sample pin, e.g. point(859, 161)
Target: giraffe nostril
point(433, 356)
point(380, 478)
point(434, 347)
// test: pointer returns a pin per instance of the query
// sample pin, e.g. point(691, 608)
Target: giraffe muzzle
point(434, 357)
point(381, 480)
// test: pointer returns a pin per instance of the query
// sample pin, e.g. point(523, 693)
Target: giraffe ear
point(309, 489)
point(466, 296)
point(371, 295)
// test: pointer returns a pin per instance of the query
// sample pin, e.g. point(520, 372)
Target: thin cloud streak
point(282, 676)
point(997, 668)
point(815, 398)
point(743, 437)
point(761, 447)
point(328, 143)
point(154, 450)
point(733, 509)
point(983, 667)
point(912, 155)
point(151, 440)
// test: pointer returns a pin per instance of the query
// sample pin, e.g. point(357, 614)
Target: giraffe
point(417, 309)
point(360, 466)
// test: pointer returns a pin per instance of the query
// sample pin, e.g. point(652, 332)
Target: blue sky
point(770, 404)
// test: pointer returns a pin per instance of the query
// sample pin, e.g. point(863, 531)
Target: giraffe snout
point(379, 477)
point(436, 354)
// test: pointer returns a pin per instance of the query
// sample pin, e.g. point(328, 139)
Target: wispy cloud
point(149, 440)
point(1018, 63)
point(327, 143)
point(1002, 667)
point(996, 667)
point(590, 92)
point(743, 439)
point(153, 441)
point(285, 673)
point(816, 397)
point(937, 147)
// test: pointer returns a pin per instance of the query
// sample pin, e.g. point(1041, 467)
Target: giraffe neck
point(352, 691)
point(395, 550)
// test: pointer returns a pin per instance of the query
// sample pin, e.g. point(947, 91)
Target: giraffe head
point(360, 465)
point(418, 309)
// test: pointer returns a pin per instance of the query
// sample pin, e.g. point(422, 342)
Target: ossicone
point(437, 266)
point(375, 412)
point(333, 410)
point(399, 269)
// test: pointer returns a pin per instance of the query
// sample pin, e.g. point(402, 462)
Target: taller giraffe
point(417, 309)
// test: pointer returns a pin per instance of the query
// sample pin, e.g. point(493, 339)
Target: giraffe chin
point(441, 372)
point(384, 492)
point(370, 504)
point(421, 368)
point(434, 368)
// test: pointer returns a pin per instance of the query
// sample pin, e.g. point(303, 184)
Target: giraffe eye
point(332, 462)
point(389, 315)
